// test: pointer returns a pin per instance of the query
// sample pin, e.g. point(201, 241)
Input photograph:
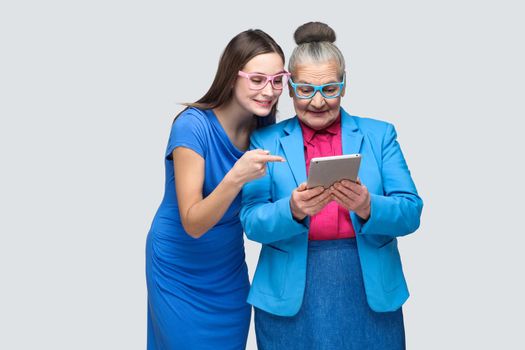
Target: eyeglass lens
point(307, 91)
point(258, 82)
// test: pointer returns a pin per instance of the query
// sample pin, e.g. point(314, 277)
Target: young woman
point(196, 274)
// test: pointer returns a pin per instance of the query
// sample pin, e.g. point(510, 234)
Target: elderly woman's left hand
point(353, 196)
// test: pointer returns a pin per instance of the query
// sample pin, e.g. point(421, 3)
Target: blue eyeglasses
point(307, 91)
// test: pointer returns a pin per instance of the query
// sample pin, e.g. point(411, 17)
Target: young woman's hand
point(307, 202)
point(353, 196)
point(251, 166)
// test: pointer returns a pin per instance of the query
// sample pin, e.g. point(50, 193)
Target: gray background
point(88, 91)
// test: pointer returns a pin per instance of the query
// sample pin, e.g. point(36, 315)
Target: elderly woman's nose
point(318, 100)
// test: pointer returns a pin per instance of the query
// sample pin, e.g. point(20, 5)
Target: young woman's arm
point(198, 214)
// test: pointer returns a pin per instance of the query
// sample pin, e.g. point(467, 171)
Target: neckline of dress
point(218, 124)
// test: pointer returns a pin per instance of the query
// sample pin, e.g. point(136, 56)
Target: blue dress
point(197, 288)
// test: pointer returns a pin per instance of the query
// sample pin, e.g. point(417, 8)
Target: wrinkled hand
point(252, 165)
point(353, 196)
point(307, 202)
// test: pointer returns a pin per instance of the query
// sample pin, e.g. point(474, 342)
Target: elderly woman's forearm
point(270, 222)
point(393, 216)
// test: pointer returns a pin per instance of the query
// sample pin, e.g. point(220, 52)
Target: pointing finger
point(271, 158)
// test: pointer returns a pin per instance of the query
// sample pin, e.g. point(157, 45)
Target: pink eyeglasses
point(257, 81)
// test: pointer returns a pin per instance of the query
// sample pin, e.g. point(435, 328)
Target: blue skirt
point(334, 313)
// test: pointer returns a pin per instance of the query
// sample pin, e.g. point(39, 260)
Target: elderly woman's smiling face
point(317, 112)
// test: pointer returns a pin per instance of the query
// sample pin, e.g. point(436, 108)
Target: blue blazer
point(279, 280)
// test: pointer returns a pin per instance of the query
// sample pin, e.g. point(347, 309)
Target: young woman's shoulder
point(193, 114)
point(191, 130)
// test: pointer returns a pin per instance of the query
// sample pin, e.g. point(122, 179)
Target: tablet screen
point(324, 171)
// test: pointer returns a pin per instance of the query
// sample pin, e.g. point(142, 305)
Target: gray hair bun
point(313, 32)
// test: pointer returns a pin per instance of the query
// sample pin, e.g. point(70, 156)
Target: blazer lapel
point(293, 147)
point(352, 137)
point(352, 140)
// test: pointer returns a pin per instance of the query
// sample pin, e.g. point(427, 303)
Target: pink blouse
point(333, 221)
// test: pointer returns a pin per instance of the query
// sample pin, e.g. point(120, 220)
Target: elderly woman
point(329, 274)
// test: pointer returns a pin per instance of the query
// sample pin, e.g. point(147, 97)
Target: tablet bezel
point(324, 171)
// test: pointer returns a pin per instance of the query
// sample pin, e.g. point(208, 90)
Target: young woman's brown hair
point(241, 49)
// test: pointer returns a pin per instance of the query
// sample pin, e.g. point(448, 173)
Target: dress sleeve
point(188, 130)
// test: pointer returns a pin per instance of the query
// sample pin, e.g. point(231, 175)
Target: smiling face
point(258, 102)
point(318, 112)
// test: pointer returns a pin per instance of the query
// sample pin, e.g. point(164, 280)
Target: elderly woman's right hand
point(307, 202)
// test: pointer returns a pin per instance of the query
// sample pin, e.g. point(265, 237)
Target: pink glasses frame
point(269, 78)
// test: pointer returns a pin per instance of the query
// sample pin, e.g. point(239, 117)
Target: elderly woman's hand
point(353, 196)
point(307, 202)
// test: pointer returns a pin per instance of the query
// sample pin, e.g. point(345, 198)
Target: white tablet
point(324, 171)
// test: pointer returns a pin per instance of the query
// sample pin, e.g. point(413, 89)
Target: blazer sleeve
point(266, 219)
point(397, 212)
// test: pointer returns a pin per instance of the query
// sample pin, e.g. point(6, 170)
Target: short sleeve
point(189, 130)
